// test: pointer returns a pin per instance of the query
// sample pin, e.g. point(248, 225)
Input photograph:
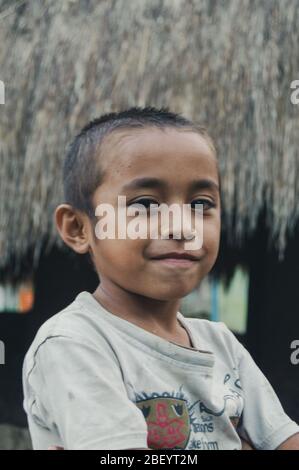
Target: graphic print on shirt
point(175, 423)
point(167, 421)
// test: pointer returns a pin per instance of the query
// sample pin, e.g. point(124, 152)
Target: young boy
point(122, 368)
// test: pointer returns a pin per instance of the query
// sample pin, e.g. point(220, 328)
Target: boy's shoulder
point(74, 321)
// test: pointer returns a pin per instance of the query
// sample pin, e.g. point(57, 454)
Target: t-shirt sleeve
point(81, 393)
point(264, 422)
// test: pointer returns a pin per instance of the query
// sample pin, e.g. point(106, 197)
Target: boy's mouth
point(177, 259)
point(177, 255)
point(179, 263)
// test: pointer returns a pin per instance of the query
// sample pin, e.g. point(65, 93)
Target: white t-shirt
point(93, 380)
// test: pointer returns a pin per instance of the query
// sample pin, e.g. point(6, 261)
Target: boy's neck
point(156, 316)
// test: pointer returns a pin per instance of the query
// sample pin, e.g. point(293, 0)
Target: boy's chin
point(169, 294)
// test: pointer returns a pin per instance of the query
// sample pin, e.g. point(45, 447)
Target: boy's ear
point(71, 225)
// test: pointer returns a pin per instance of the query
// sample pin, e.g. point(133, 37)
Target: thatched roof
point(226, 64)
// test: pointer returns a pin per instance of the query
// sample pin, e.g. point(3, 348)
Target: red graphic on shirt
point(167, 421)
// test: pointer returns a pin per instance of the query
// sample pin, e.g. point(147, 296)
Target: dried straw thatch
point(227, 64)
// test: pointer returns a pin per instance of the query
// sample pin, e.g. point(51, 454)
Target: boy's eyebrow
point(150, 182)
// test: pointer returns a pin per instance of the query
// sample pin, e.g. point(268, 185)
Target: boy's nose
point(178, 233)
point(181, 227)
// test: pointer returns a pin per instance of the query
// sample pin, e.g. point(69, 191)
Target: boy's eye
point(207, 204)
point(146, 202)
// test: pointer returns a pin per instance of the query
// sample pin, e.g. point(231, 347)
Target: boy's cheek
point(211, 237)
point(121, 254)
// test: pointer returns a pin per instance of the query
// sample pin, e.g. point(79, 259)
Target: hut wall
point(273, 315)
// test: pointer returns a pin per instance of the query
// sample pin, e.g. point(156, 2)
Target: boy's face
point(176, 158)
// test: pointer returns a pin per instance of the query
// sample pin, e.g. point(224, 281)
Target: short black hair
point(81, 171)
